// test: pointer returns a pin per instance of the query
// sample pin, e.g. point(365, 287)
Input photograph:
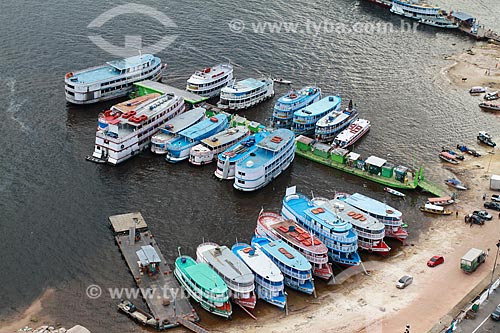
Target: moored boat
point(394, 192)
point(246, 93)
point(305, 119)
point(282, 81)
point(434, 209)
point(455, 183)
point(295, 268)
point(477, 90)
point(491, 96)
point(226, 161)
point(179, 148)
point(447, 157)
point(269, 281)
point(441, 201)
point(338, 235)
point(113, 80)
point(465, 149)
point(273, 155)
point(389, 216)
point(203, 285)
point(352, 134)
point(452, 152)
point(370, 231)
point(209, 81)
point(208, 149)
point(126, 129)
point(423, 13)
point(174, 127)
point(485, 138)
point(489, 106)
point(293, 101)
point(330, 125)
point(237, 276)
point(274, 227)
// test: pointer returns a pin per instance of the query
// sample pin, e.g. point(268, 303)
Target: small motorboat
point(455, 183)
point(396, 193)
point(487, 139)
point(457, 155)
point(434, 209)
point(463, 148)
point(442, 201)
point(282, 81)
point(489, 106)
point(491, 96)
point(477, 90)
point(447, 157)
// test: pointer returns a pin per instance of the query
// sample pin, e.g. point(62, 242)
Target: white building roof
point(375, 161)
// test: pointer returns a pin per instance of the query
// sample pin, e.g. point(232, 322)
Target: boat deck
point(148, 87)
point(322, 106)
point(164, 281)
point(226, 136)
point(432, 188)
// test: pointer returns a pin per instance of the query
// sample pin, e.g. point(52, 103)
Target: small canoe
point(394, 192)
point(453, 182)
point(282, 81)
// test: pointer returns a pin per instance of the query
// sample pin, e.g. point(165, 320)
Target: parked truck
point(472, 259)
point(495, 182)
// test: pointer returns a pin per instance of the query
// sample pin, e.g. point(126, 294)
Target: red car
point(434, 261)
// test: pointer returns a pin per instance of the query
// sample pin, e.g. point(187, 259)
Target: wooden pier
point(160, 290)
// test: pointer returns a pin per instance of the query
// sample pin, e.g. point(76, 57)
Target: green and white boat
point(203, 285)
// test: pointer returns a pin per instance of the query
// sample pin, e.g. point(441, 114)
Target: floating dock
point(150, 87)
point(160, 291)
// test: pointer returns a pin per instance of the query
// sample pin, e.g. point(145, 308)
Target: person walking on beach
point(484, 196)
point(456, 214)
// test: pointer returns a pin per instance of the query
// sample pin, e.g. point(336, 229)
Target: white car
point(404, 282)
point(495, 197)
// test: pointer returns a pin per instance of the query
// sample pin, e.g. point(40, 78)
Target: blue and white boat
point(273, 155)
point(304, 120)
point(246, 93)
point(423, 12)
point(291, 102)
point(328, 127)
point(269, 281)
point(113, 80)
point(226, 161)
point(179, 148)
point(295, 268)
point(172, 129)
point(338, 235)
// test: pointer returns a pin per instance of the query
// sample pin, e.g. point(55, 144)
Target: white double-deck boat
point(113, 80)
point(246, 93)
point(209, 81)
point(293, 101)
point(273, 226)
point(269, 281)
point(423, 13)
point(237, 276)
point(274, 154)
point(330, 125)
point(173, 127)
point(208, 149)
point(127, 128)
point(371, 232)
point(305, 119)
point(226, 161)
point(353, 133)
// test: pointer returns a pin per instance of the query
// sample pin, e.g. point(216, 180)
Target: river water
point(54, 205)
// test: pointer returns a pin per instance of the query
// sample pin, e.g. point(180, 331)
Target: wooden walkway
point(161, 292)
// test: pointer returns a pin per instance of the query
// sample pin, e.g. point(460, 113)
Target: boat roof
point(304, 139)
point(327, 219)
point(447, 155)
point(194, 132)
point(351, 214)
point(295, 96)
point(258, 262)
point(283, 252)
point(111, 69)
point(240, 150)
point(290, 230)
point(335, 117)
point(184, 120)
point(324, 105)
point(204, 276)
point(267, 148)
point(147, 255)
point(353, 156)
point(350, 131)
point(163, 89)
point(434, 200)
point(226, 136)
point(210, 73)
point(472, 254)
point(372, 206)
point(433, 207)
point(418, 4)
point(375, 161)
point(226, 263)
point(245, 85)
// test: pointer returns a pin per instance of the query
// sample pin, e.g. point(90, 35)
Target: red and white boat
point(352, 134)
point(442, 201)
point(274, 226)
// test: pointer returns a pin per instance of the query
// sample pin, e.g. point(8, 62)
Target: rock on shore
point(52, 329)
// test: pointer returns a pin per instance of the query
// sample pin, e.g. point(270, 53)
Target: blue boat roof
point(372, 206)
point(279, 249)
point(300, 95)
point(266, 149)
point(194, 132)
point(112, 69)
point(324, 105)
point(241, 149)
point(327, 219)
